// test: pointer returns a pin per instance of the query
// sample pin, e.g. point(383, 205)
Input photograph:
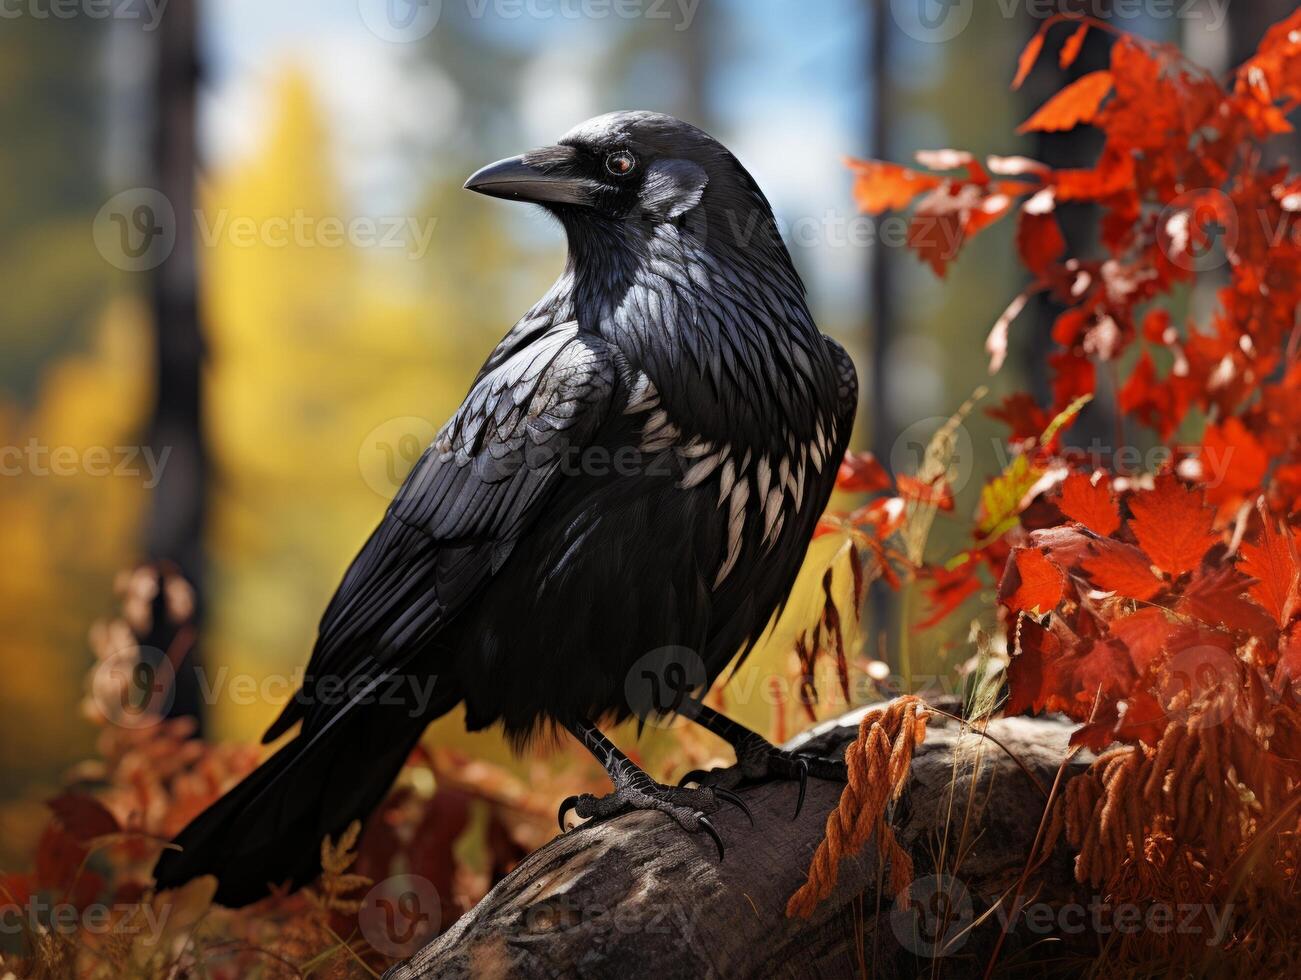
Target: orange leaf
point(1029, 55)
point(1144, 634)
point(1217, 597)
point(1071, 49)
point(1041, 583)
point(1075, 104)
point(1091, 504)
point(1273, 564)
point(861, 473)
point(1233, 461)
point(1173, 525)
point(1123, 569)
point(880, 186)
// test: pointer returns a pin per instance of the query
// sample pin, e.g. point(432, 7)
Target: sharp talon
point(712, 832)
point(735, 800)
point(567, 804)
point(804, 784)
point(694, 776)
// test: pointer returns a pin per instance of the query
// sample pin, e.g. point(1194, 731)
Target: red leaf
point(82, 816)
point(1038, 583)
point(951, 589)
point(1073, 376)
point(1023, 416)
point(937, 494)
point(1029, 55)
point(58, 856)
point(1075, 104)
point(1272, 562)
point(1036, 649)
point(1123, 569)
point(880, 186)
point(1071, 49)
point(1090, 503)
point(1039, 237)
point(1217, 597)
point(1233, 461)
point(861, 473)
point(1144, 719)
point(1144, 634)
point(1173, 525)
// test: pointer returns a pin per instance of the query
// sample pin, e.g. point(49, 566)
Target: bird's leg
point(757, 759)
point(635, 790)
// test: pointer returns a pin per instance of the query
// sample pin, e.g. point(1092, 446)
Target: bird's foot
point(689, 807)
point(758, 761)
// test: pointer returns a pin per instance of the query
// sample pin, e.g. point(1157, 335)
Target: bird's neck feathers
point(706, 304)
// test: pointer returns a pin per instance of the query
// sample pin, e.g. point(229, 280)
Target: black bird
point(617, 509)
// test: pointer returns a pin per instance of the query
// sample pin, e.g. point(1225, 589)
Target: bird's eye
point(620, 163)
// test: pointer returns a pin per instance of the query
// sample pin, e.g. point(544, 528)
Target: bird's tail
point(268, 829)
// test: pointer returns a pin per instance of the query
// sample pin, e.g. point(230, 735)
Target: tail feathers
point(267, 830)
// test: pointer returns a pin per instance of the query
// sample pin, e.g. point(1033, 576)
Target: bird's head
point(636, 171)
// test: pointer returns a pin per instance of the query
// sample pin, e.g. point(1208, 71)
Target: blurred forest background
point(292, 378)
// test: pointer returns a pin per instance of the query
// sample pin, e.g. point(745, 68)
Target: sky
point(787, 86)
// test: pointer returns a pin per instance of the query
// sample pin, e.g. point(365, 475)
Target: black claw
point(712, 832)
point(694, 776)
point(804, 784)
point(735, 800)
point(566, 805)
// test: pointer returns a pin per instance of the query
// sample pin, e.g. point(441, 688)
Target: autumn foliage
point(1157, 608)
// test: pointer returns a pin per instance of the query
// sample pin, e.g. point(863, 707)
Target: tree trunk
point(636, 895)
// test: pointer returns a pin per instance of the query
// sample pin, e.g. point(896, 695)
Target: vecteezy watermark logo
point(40, 914)
point(134, 688)
point(933, 917)
point(136, 229)
point(908, 453)
point(1199, 686)
point(149, 12)
point(1198, 230)
point(932, 21)
point(35, 458)
point(400, 914)
point(390, 450)
point(661, 681)
point(400, 21)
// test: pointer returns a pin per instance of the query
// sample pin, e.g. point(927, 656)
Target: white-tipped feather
point(726, 480)
point(735, 528)
point(700, 470)
point(643, 396)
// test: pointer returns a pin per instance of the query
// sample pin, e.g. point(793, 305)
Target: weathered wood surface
point(636, 896)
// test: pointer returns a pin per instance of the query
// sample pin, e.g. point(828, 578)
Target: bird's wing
point(457, 516)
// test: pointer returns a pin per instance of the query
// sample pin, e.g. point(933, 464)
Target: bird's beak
point(540, 176)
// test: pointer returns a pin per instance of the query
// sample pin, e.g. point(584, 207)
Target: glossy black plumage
point(639, 464)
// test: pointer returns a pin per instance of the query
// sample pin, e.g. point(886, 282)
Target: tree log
point(638, 896)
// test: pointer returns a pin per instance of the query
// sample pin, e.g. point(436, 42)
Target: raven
point(627, 492)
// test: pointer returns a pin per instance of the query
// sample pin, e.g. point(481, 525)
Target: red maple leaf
point(1036, 584)
point(861, 473)
point(1233, 461)
point(1144, 634)
point(1173, 525)
point(1076, 103)
point(950, 590)
point(880, 186)
point(1217, 597)
point(1123, 569)
point(1273, 563)
point(1090, 503)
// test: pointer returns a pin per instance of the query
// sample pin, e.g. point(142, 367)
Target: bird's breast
point(757, 490)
